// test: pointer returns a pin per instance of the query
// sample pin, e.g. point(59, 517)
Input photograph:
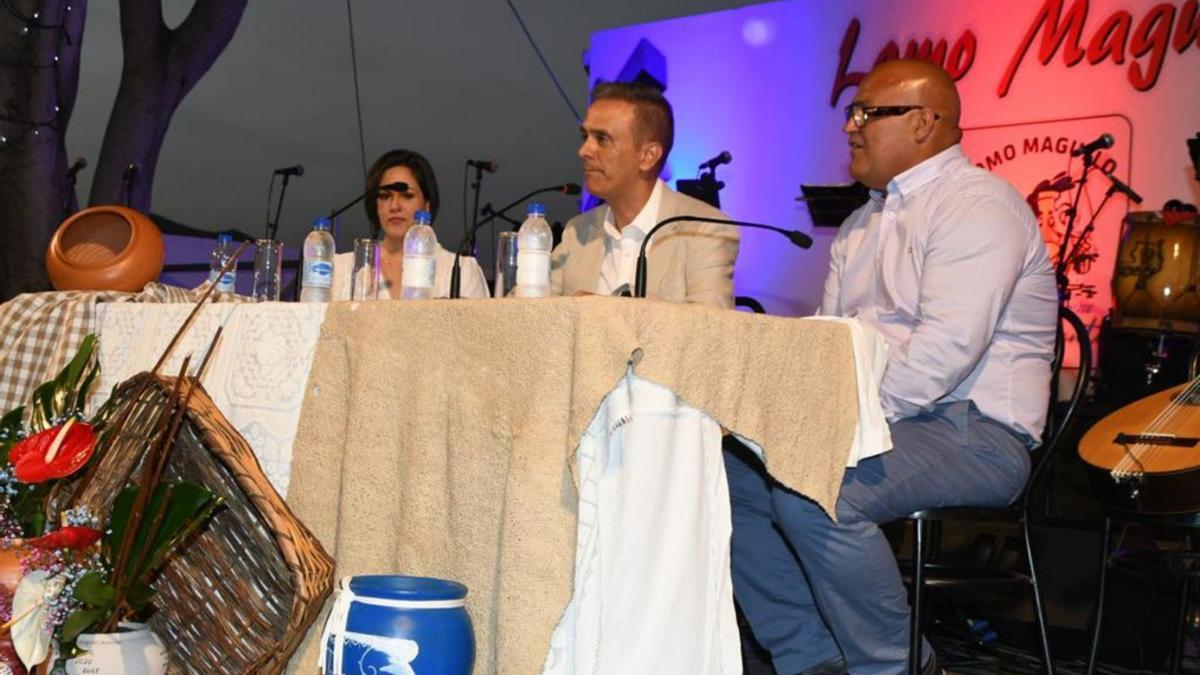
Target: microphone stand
point(639, 291)
point(475, 187)
point(1060, 270)
point(273, 225)
point(456, 270)
point(487, 210)
point(1112, 190)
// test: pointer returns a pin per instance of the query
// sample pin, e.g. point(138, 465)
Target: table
point(439, 438)
point(475, 440)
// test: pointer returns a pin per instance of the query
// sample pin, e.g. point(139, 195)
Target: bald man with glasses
point(946, 261)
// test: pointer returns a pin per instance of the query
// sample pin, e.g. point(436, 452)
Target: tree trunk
point(37, 94)
point(161, 67)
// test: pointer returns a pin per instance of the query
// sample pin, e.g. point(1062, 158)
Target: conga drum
point(398, 624)
point(105, 248)
point(1155, 278)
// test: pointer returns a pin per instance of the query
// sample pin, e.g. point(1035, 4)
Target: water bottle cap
point(224, 238)
point(322, 223)
point(422, 218)
point(535, 208)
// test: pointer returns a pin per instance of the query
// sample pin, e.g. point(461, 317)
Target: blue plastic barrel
point(399, 625)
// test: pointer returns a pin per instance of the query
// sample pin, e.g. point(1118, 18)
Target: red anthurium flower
point(44, 455)
point(66, 537)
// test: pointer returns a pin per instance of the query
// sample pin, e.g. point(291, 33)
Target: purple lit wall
point(758, 82)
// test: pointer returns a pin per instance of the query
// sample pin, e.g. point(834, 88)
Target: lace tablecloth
point(256, 374)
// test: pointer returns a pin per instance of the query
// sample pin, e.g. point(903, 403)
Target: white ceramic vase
point(135, 651)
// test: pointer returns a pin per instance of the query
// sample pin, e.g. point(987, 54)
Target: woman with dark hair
point(392, 212)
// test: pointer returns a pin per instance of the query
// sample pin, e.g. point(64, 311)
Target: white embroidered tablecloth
point(256, 375)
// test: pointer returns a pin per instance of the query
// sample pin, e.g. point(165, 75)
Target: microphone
point(1105, 141)
point(394, 187)
point(484, 165)
point(1122, 187)
point(465, 244)
point(639, 290)
point(297, 170)
point(723, 158)
point(78, 165)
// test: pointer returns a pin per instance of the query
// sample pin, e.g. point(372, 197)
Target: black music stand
point(706, 188)
point(830, 205)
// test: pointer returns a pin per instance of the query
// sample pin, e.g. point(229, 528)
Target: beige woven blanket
point(436, 437)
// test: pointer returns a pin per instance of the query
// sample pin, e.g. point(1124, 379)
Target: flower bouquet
point(75, 577)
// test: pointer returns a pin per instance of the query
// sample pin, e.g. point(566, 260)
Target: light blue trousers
point(813, 588)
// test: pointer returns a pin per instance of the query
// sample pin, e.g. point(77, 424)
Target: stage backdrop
point(1038, 78)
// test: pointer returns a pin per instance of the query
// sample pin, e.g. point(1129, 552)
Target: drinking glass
point(506, 264)
point(268, 256)
point(364, 283)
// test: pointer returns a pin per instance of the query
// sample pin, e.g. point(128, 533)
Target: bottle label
point(533, 268)
point(418, 272)
point(318, 274)
point(227, 282)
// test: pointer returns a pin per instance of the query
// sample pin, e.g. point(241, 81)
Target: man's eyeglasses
point(860, 114)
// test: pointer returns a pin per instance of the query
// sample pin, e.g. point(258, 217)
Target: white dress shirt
point(949, 265)
point(621, 246)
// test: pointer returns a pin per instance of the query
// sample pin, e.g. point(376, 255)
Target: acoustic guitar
point(1145, 457)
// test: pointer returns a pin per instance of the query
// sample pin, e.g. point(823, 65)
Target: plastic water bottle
point(533, 254)
point(317, 280)
point(420, 246)
point(221, 255)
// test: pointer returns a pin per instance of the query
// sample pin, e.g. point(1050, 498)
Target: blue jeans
point(813, 588)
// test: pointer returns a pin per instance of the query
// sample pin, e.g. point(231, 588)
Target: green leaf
point(139, 596)
point(92, 590)
point(118, 520)
point(82, 394)
point(188, 506)
point(184, 507)
point(57, 397)
point(10, 427)
point(11, 422)
point(81, 620)
point(43, 411)
point(28, 507)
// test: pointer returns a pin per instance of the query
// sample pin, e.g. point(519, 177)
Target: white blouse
point(474, 285)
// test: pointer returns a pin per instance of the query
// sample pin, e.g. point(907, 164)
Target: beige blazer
point(686, 261)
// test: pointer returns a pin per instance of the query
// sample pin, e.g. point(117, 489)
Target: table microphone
point(639, 290)
point(456, 270)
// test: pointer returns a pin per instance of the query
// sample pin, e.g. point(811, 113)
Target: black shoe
point(932, 667)
point(834, 666)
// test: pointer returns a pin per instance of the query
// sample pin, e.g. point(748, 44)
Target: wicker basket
point(241, 595)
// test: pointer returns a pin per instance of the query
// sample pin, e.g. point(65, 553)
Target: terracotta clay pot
point(105, 248)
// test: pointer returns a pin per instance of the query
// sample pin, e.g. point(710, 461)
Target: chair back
point(749, 303)
point(1060, 418)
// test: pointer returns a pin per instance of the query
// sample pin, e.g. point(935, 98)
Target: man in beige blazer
point(627, 134)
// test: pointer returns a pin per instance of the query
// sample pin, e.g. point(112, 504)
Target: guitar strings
point(1145, 451)
point(1168, 416)
point(1138, 453)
